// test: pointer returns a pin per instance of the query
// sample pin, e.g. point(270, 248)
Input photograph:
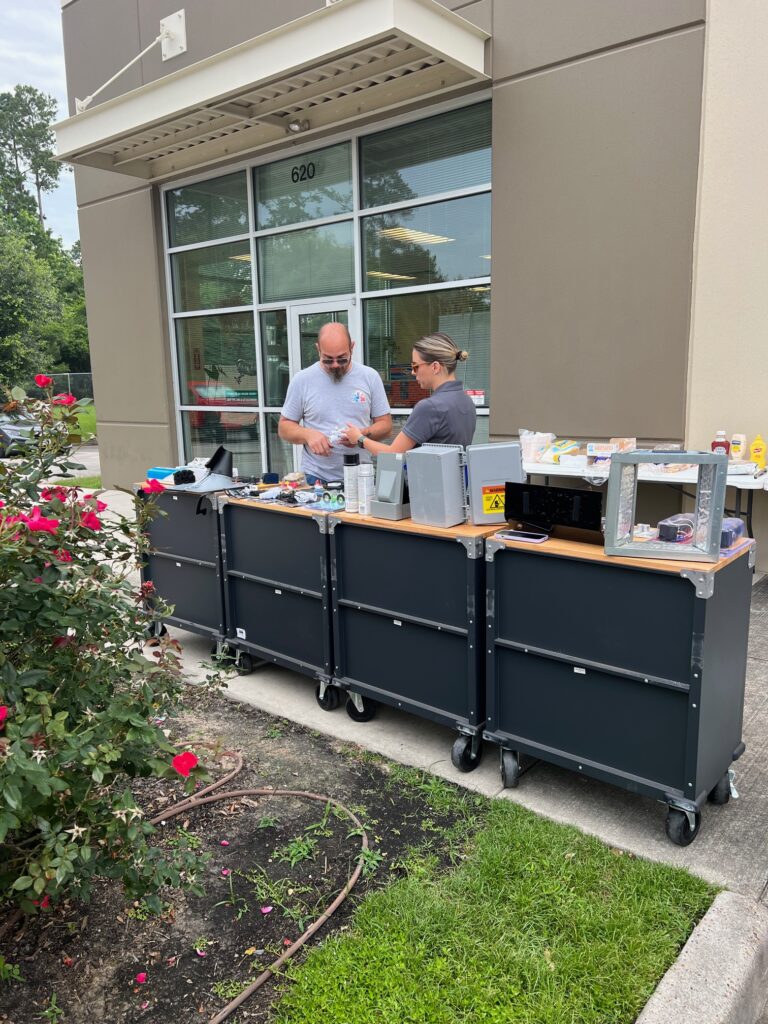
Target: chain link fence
point(78, 384)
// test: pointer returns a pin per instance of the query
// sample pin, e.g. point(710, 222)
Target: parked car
point(214, 393)
point(16, 432)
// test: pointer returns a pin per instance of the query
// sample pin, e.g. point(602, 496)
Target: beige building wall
point(728, 368)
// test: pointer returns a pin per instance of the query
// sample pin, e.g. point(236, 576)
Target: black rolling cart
point(629, 670)
point(407, 605)
point(275, 560)
point(184, 561)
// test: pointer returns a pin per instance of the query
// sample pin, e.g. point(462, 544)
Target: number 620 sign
point(302, 172)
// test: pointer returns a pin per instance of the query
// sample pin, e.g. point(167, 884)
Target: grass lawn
point(91, 483)
point(86, 414)
point(538, 924)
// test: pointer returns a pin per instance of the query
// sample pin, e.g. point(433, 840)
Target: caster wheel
point(244, 664)
point(679, 830)
point(510, 769)
point(368, 712)
point(721, 793)
point(330, 699)
point(461, 754)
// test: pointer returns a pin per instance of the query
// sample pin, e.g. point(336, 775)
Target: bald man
point(329, 394)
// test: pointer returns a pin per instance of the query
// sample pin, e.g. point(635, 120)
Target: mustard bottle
point(757, 452)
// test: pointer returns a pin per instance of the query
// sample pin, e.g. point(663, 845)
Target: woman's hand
point(351, 434)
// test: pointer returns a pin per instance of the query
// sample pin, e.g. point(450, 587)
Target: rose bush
point(81, 707)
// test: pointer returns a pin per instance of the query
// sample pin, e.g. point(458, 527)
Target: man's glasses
point(330, 360)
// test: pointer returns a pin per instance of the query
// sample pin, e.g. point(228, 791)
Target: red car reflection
point(216, 393)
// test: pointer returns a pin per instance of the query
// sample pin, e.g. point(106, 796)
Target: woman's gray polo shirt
point(447, 417)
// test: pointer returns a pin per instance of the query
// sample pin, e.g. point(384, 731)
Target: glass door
point(306, 319)
point(288, 339)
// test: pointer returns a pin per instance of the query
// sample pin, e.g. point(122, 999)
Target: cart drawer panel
point(632, 619)
point(190, 527)
point(193, 590)
point(407, 660)
point(291, 625)
point(421, 576)
point(625, 725)
point(284, 548)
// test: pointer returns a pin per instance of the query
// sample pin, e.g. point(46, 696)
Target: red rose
point(184, 763)
point(90, 520)
point(63, 399)
point(62, 555)
point(3, 715)
point(43, 381)
point(153, 487)
point(37, 523)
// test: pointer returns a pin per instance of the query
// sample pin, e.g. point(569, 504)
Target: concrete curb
point(721, 974)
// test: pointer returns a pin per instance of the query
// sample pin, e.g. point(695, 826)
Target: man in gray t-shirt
point(328, 395)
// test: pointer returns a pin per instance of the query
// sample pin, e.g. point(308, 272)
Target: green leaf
point(12, 795)
point(38, 885)
point(21, 883)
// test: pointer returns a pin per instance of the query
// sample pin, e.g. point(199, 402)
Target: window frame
point(360, 294)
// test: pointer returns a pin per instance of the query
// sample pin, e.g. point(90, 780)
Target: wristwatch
point(361, 441)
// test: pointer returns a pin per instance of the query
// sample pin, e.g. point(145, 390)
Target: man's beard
point(337, 374)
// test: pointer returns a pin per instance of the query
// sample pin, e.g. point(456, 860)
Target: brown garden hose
point(200, 799)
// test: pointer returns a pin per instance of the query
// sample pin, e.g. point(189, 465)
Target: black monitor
point(565, 512)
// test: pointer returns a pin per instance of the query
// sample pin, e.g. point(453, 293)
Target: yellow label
point(493, 499)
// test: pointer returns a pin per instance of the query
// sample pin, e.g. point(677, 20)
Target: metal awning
point(331, 67)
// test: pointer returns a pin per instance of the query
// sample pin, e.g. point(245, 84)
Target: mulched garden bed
point(81, 963)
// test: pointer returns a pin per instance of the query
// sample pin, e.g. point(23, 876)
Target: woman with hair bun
point(446, 417)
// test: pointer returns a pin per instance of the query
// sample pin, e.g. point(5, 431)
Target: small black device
point(563, 512)
point(183, 476)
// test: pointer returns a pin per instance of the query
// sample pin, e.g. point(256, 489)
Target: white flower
point(120, 814)
point(39, 754)
point(134, 813)
point(76, 831)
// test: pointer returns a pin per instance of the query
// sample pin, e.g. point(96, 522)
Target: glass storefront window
point(217, 360)
point(279, 453)
point(214, 277)
point(306, 187)
point(307, 263)
point(439, 154)
point(217, 208)
point(274, 355)
point(205, 430)
point(393, 324)
point(448, 241)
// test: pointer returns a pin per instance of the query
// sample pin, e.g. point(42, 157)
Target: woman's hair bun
point(462, 356)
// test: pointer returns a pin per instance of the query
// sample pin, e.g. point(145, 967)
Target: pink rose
point(42, 380)
point(153, 487)
point(3, 715)
point(63, 399)
point(141, 978)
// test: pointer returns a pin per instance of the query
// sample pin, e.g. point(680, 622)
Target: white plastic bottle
point(365, 487)
point(351, 470)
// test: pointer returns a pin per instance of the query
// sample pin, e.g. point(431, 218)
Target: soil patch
point(274, 865)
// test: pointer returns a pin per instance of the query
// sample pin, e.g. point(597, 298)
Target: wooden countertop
point(594, 553)
point(408, 526)
point(307, 511)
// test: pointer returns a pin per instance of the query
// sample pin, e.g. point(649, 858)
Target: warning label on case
point(493, 498)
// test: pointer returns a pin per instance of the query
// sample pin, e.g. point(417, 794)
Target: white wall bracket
point(173, 41)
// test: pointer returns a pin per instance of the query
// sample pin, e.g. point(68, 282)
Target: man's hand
point(317, 442)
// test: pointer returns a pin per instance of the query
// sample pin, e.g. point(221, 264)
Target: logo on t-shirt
point(360, 397)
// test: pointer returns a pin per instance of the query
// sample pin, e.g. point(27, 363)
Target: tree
point(27, 146)
point(28, 301)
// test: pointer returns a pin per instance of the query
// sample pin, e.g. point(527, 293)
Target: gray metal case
point(436, 485)
point(489, 467)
